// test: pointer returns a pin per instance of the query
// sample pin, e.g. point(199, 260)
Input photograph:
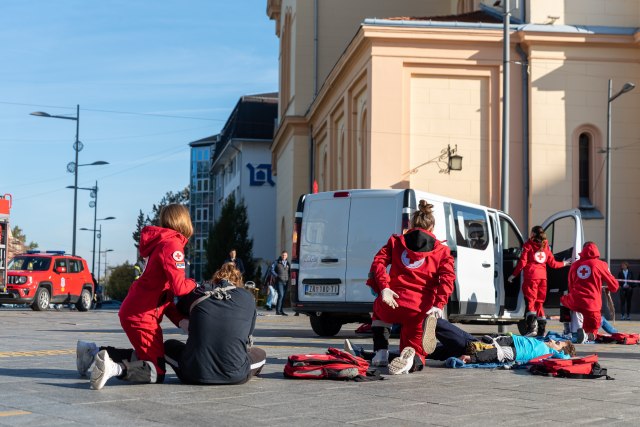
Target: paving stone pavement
point(39, 385)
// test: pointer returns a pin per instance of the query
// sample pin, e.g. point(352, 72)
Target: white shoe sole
point(84, 360)
point(429, 341)
point(99, 376)
point(403, 363)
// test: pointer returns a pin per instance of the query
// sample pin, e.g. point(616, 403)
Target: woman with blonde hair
point(222, 317)
point(149, 298)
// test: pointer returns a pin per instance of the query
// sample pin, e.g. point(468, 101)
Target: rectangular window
point(471, 226)
point(202, 214)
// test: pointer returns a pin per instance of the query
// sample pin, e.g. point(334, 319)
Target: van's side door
point(510, 248)
point(323, 249)
point(472, 233)
point(565, 236)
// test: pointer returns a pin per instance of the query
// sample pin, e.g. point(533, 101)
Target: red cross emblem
point(540, 257)
point(584, 272)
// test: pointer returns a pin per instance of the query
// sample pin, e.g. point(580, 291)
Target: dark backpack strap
point(597, 371)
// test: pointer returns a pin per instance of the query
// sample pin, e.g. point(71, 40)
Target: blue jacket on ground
point(530, 348)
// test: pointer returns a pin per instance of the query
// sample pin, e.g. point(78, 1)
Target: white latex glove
point(184, 325)
point(389, 297)
point(510, 278)
point(437, 312)
point(567, 262)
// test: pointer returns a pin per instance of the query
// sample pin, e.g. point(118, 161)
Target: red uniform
point(421, 274)
point(151, 295)
point(534, 260)
point(585, 287)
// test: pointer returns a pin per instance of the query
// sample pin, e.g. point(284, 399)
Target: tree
point(120, 281)
point(18, 242)
point(181, 197)
point(231, 230)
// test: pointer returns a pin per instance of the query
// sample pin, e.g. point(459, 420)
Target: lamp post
point(105, 261)
point(73, 166)
point(99, 234)
point(93, 204)
point(627, 87)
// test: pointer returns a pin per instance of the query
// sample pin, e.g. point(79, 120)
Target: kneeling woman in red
point(418, 284)
point(535, 258)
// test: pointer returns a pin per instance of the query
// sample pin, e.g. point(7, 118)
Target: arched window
point(584, 170)
point(587, 181)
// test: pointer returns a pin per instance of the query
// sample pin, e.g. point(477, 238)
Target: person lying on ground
point(516, 348)
point(455, 342)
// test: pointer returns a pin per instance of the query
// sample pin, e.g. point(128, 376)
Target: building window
point(587, 198)
point(202, 214)
point(202, 185)
point(584, 163)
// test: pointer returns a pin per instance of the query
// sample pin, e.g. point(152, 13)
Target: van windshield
point(29, 263)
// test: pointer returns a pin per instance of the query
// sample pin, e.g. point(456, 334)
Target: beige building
point(373, 94)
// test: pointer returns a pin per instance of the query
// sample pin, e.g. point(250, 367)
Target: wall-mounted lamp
point(448, 160)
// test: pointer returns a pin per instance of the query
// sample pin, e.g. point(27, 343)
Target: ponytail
point(423, 217)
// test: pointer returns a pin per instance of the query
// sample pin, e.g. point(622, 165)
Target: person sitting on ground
point(222, 317)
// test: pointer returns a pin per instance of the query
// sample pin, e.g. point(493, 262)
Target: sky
point(149, 76)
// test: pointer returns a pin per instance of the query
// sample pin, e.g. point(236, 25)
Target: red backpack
point(586, 367)
point(335, 365)
point(620, 338)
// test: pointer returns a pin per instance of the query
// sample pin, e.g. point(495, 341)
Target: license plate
point(321, 289)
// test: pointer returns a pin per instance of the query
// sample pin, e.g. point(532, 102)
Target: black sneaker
point(282, 313)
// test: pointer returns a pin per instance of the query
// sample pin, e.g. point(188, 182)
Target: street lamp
point(105, 261)
point(627, 87)
point(99, 231)
point(93, 204)
point(77, 147)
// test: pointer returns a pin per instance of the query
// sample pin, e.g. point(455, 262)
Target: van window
point(511, 241)
point(472, 230)
point(561, 236)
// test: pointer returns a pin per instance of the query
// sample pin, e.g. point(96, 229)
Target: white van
point(337, 234)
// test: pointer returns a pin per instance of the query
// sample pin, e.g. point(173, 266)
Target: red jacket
point(151, 295)
point(534, 261)
point(585, 281)
point(421, 272)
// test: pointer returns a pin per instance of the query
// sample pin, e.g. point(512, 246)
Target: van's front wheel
point(324, 326)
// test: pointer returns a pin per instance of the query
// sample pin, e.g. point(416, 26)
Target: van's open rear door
point(565, 236)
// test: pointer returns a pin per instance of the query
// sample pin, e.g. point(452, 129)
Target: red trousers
point(590, 319)
point(535, 292)
point(146, 339)
point(411, 322)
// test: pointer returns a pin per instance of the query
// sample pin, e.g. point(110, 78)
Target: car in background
point(53, 277)
point(111, 304)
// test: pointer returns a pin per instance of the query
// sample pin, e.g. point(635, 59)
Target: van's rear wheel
point(324, 325)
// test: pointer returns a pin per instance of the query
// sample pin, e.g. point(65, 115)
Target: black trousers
point(626, 295)
point(173, 352)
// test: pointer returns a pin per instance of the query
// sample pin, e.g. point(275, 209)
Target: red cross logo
point(584, 272)
point(540, 257)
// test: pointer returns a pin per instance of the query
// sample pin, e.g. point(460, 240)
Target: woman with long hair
point(536, 256)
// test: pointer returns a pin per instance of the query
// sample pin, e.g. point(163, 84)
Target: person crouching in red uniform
point(535, 258)
point(585, 290)
point(418, 285)
point(149, 299)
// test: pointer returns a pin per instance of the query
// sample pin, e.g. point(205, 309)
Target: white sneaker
point(103, 369)
point(582, 337)
point(348, 347)
point(429, 341)
point(381, 358)
point(403, 363)
point(85, 355)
